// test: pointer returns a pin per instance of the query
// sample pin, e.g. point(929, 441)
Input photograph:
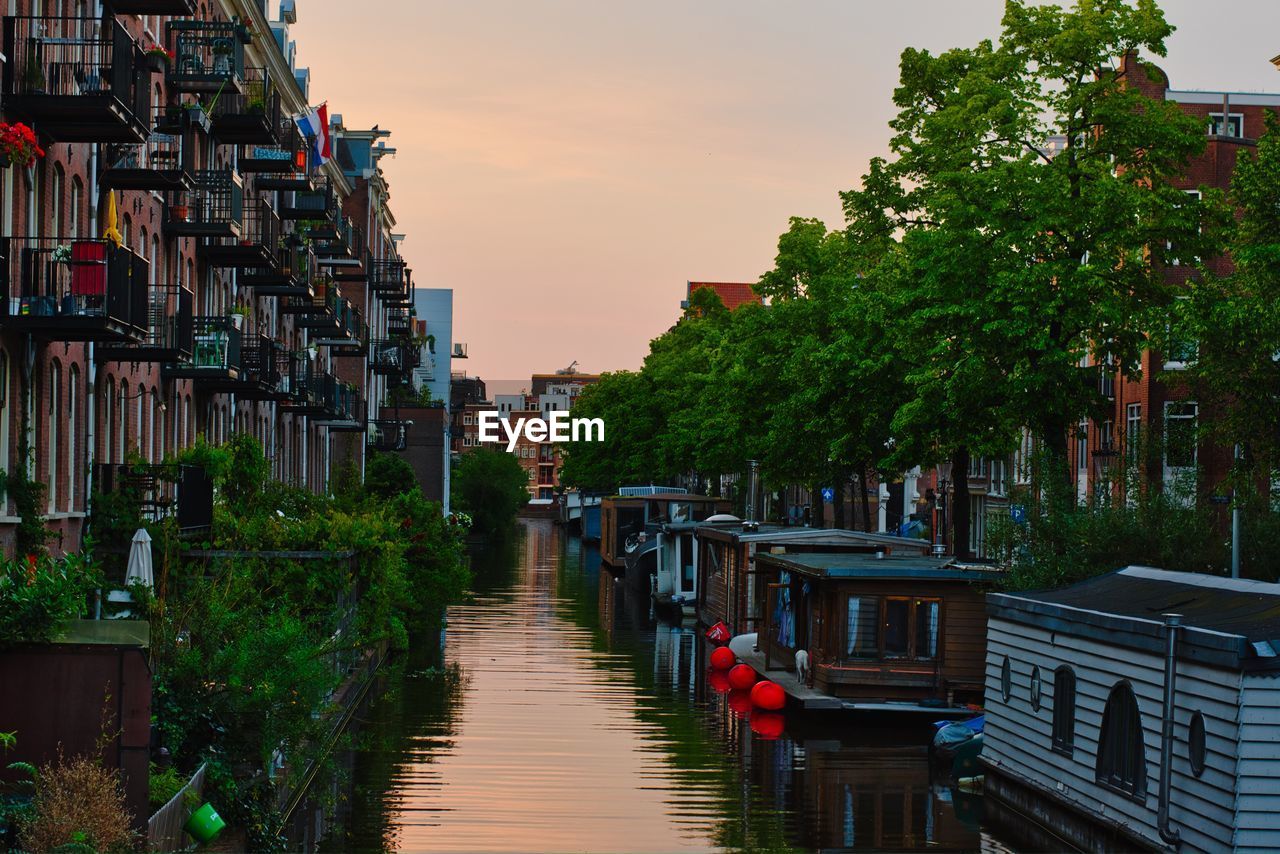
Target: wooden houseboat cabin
point(626, 520)
point(1081, 682)
point(726, 583)
point(879, 630)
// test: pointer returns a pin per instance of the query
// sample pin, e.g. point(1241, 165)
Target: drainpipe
point(91, 366)
point(1171, 624)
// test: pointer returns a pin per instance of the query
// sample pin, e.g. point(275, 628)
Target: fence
point(164, 829)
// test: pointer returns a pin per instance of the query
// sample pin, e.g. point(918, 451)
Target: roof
point(870, 567)
point(1229, 622)
point(732, 294)
point(733, 532)
point(667, 496)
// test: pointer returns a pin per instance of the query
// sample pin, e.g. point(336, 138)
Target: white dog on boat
point(802, 666)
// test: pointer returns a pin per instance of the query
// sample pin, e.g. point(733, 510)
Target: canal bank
point(555, 714)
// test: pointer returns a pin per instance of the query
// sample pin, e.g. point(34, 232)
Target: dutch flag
point(314, 125)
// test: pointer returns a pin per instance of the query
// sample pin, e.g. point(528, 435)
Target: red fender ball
point(768, 695)
point(722, 658)
point(740, 702)
point(719, 681)
point(767, 725)
point(742, 676)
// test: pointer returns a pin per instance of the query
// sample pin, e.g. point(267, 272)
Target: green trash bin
point(205, 824)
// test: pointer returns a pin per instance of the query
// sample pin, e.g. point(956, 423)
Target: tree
point(1032, 187)
point(491, 486)
point(387, 475)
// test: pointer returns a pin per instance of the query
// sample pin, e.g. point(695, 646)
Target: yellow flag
point(112, 232)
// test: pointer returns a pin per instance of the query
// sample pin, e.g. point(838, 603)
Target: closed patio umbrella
point(139, 570)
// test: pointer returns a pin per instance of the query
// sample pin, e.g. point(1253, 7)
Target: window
point(1064, 710)
point(999, 477)
point(77, 204)
point(1132, 430)
point(909, 628)
point(860, 628)
point(1082, 446)
point(468, 420)
point(1180, 435)
point(1234, 126)
point(1006, 679)
point(73, 421)
point(1035, 688)
point(1175, 259)
point(1195, 743)
point(56, 207)
point(1122, 760)
point(51, 431)
point(1107, 436)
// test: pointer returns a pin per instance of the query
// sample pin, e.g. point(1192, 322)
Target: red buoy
point(719, 681)
point(722, 658)
point(767, 725)
point(768, 695)
point(742, 676)
point(740, 702)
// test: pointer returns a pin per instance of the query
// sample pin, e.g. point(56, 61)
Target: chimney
point(753, 489)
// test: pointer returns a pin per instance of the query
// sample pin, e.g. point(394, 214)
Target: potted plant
point(18, 145)
point(33, 75)
point(158, 59)
point(178, 210)
point(238, 314)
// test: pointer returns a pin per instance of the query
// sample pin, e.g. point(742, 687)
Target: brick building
point(732, 294)
point(253, 287)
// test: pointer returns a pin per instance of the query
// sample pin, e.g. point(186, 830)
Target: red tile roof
point(732, 294)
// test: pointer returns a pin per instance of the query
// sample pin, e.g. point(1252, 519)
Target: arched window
point(56, 219)
point(1064, 710)
point(122, 404)
point(126, 231)
point(5, 448)
point(154, 259)
point(151, 426)
point(137, 419)
point(74, 469)
point(109, 418)
point(52, 418)
point(77, 206)
point(1122, 755)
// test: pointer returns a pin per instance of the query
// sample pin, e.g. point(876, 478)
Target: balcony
point(165, 162)
point(341, 406)
point(283, 160)
point(315, 310)
point(398, 321)
point(162, 490)
point(257, 246)
point(347, 326)
point(305, 387)
point(251, 116)
point(387, 277)
point(208, 57)
point(170, 8)
point(170, 329)
point(265, 368)
point(389, 435)
point(346, 245)
point(355, 271)
point(76, 79)
point(73, 290)
point(318, 206)
point(389, 356)
point(213, 208)
point(215, 357)
point(290, 275)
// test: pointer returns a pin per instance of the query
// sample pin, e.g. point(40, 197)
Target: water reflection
point(559, 715)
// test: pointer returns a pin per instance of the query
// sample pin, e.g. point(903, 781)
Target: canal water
point(556, 714)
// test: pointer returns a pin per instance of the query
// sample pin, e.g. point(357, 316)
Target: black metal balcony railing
point(285, 158)
point(250, 116)
point(348, 241)
point(258, 244)
point(171, 8)
point(213, 208)
point(208, 57)
point(73, 290)
point(340, 404)
point(290, 275)
point(162, 490)
point(166, 161)
point(392, 356)
point(170, 329)
point(76, 79)
point(266, 367)
point(398, 321)
point(304, 390)
point(317, 206)
point(389, 434)
point(215, 353)
point(357, 270)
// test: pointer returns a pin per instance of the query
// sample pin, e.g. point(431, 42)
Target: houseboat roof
point(733, 532)
point(870, 567)
point(1227, 622)
point(666, 496)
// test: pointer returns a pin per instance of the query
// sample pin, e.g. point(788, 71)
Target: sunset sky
point(566, 167)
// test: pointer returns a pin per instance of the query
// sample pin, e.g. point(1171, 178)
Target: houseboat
point(882, 632)
point(726, 573)
point(664, 562)
point(1137, 710)
point(575, 506)
point(625, 517)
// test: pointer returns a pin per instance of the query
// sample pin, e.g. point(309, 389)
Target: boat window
point(784, 617)
point(1035, 687)
point(926, 628)
point(1122, 760)
point(1064, 710)
point(681, 511)
point(1195, 744)
point(1006, 680)
point(860, 632)
point(897, 630)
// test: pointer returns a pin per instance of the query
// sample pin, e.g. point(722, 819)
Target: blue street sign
point(1018, 513)
point(828, 494)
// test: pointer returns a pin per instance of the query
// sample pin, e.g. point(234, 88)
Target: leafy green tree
point(491, 486)
point(387, 475)
point(625, 402)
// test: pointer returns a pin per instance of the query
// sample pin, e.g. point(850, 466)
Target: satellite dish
point(723, 517)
